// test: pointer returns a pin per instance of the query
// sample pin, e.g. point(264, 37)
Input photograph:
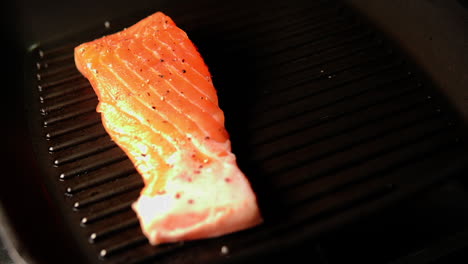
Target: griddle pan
point(329, 120)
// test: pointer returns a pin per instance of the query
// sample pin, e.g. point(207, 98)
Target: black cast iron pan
point(335, 123)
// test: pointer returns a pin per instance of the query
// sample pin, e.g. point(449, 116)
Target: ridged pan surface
point(327, 121)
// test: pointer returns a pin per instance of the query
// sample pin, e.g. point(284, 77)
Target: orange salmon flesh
point(158, 104)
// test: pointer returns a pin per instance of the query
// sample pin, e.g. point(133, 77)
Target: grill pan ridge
point(335, 123)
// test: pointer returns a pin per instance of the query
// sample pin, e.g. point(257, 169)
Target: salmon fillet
point(158, 103)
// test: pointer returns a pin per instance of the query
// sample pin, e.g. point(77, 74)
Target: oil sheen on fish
point(158, 103)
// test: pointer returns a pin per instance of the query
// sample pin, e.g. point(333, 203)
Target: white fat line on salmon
point(196, 143)
point(169, 49)
point(126, 140)
point(168, 102)
point(190, 51)
point(199, 144)
point(176, 71)
point(142, 120)
point(174, 88)
point(159, 149)
point(143, 148)
point(184, 37)
point(180, 157)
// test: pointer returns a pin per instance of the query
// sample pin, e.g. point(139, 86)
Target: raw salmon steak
point(158, 103)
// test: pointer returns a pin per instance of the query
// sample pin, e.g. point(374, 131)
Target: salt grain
point(224, 250)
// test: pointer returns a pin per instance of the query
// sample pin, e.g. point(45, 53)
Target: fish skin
point(158, 103)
